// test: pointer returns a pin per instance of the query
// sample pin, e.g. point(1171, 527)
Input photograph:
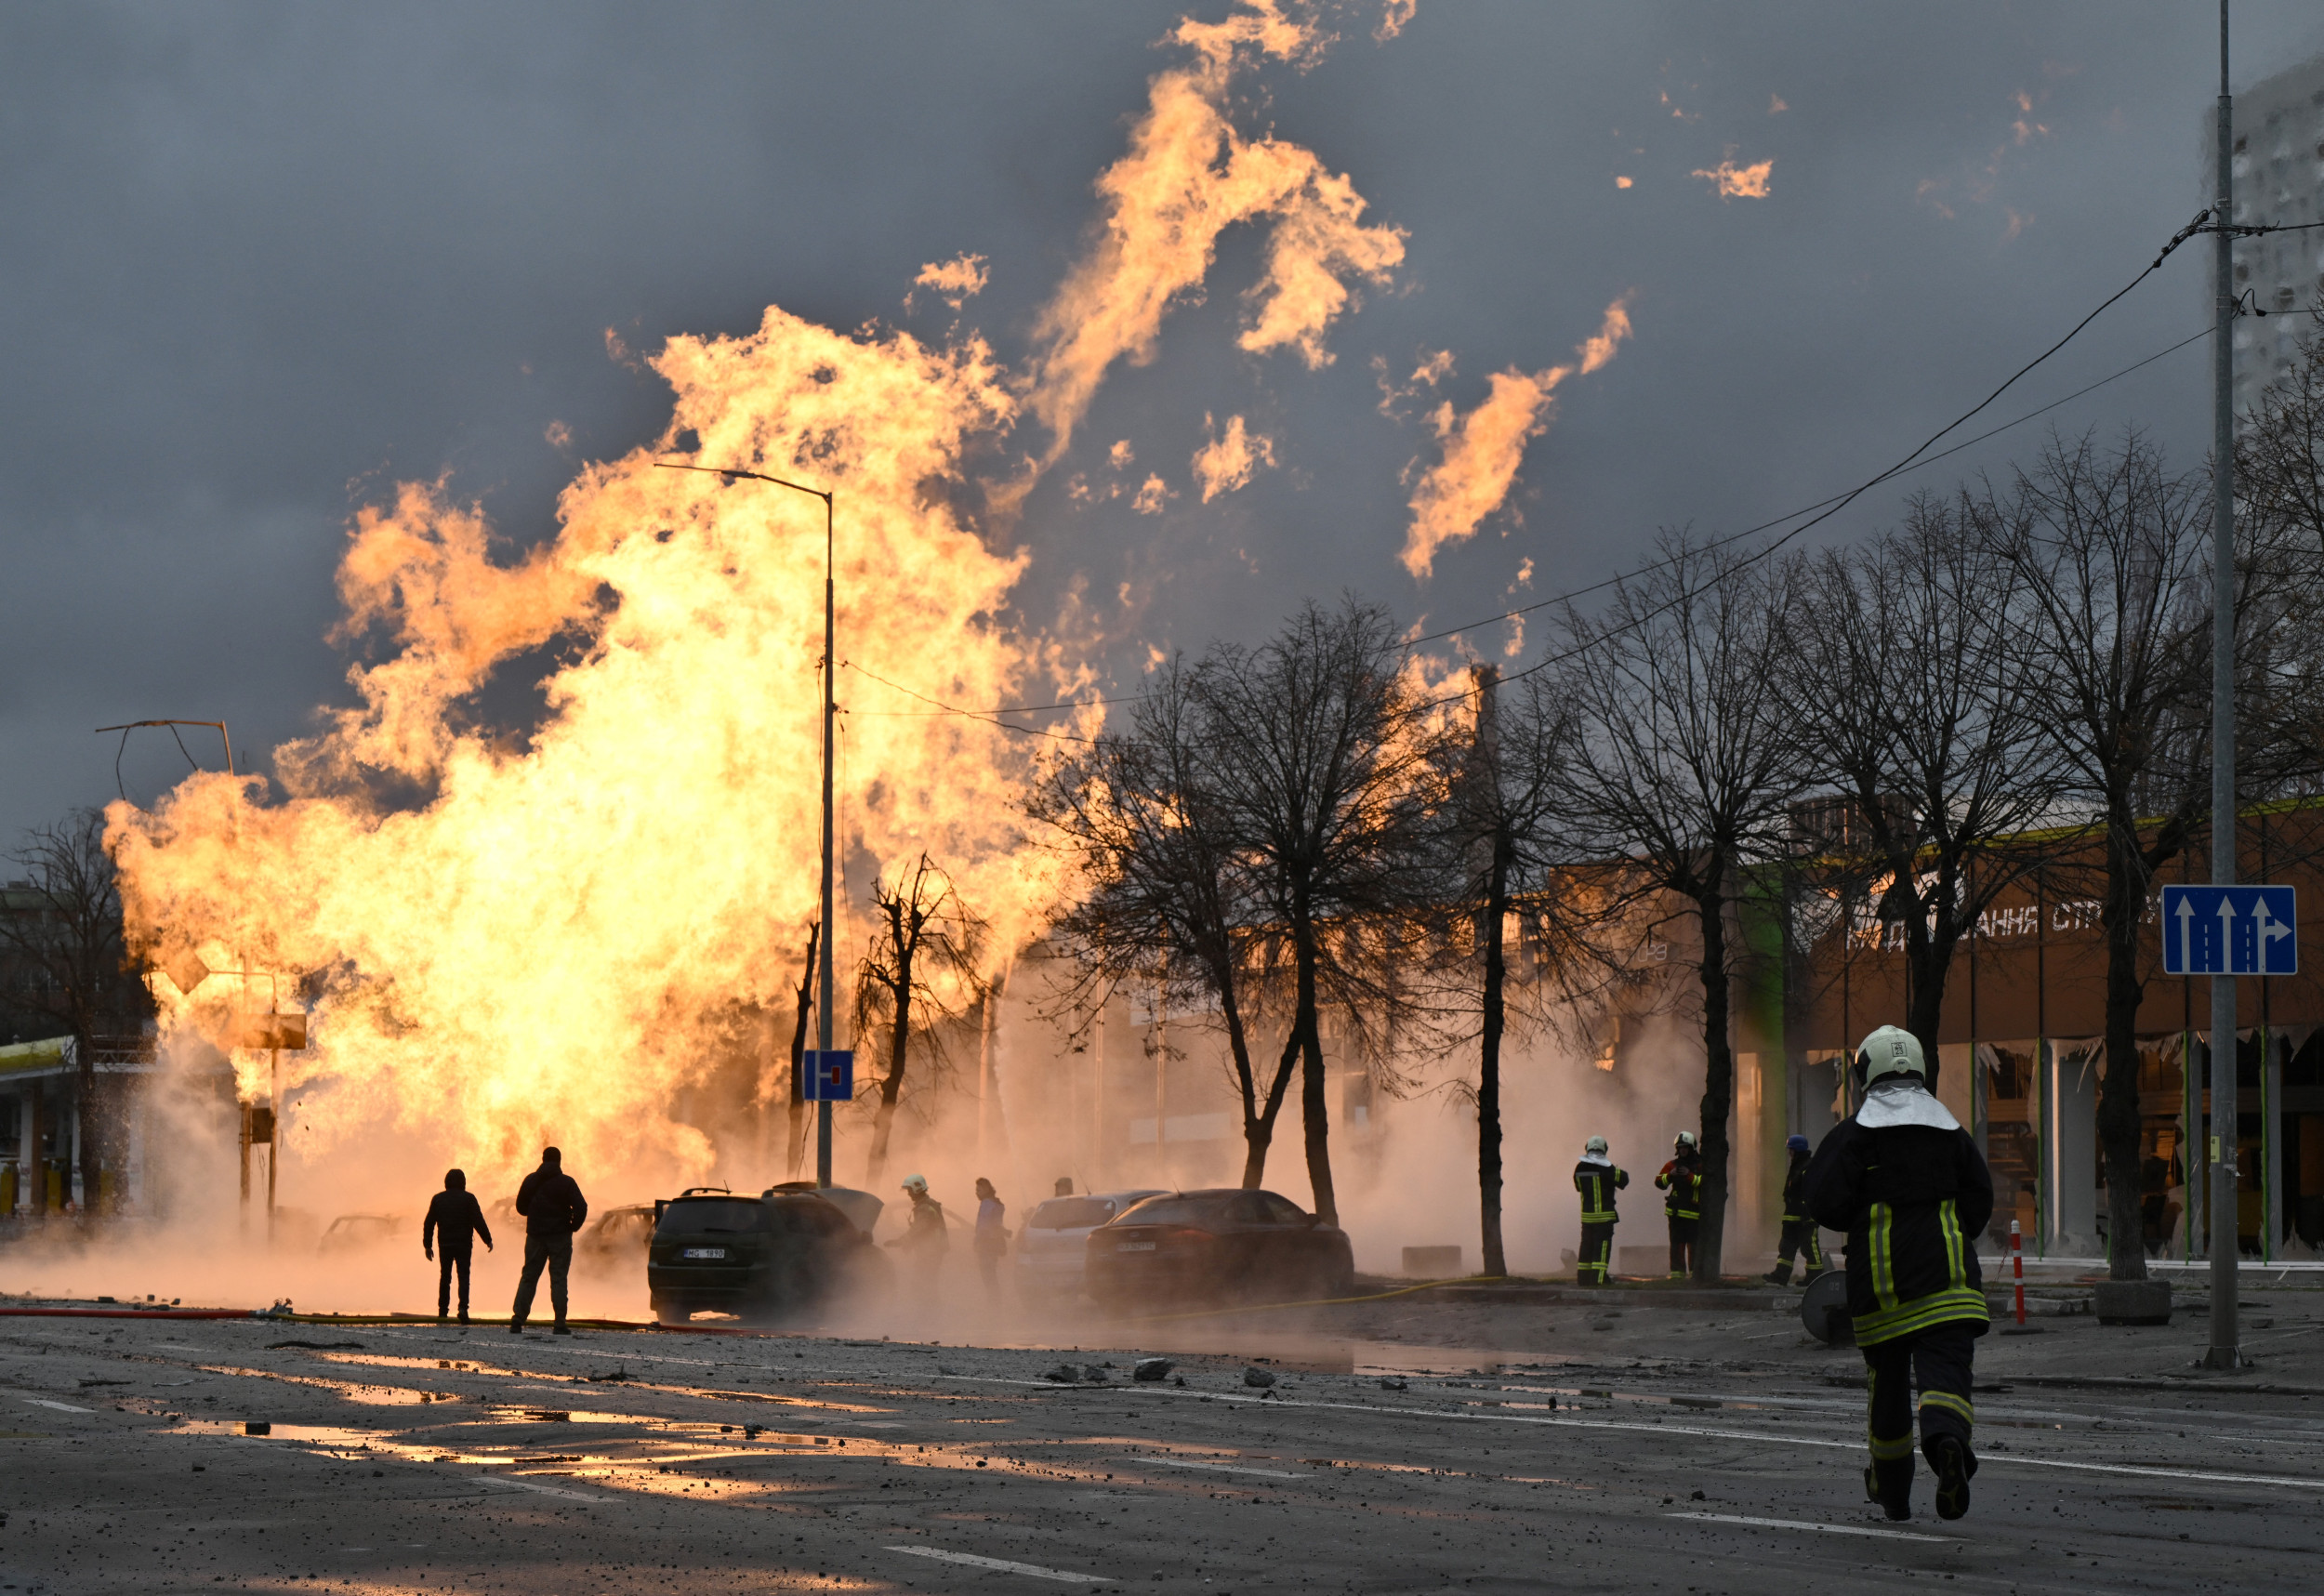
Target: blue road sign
point(827, 1078)
point(2229, 931)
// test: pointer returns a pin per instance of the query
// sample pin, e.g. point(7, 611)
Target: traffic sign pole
point(2223, 1353)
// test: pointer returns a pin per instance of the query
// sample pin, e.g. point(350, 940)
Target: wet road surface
point(426, 1459)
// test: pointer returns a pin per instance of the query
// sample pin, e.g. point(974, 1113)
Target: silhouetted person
point(1065, 1185)
point(924, 1241)
point(553, 1208)
point(454, 1222)
point(992, 1236)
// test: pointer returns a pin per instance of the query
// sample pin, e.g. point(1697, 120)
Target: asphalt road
point(429, 1459)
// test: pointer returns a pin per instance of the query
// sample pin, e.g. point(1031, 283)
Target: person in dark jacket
point(1799, 1238)
point(1597, 1179)
point(454, 1224)
point(1910, 1187)
point(553, 1208)
point(1683, 1178)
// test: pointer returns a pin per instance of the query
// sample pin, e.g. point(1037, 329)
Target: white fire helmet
point(1686, 1139)
point(1890, 1051)
point(915, 1182)
point(1595, 1144)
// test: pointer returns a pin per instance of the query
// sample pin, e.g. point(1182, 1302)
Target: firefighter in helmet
point(1799, 1239)
point(1597, 1179)
point(1681, 1178)
point(1910, 1187)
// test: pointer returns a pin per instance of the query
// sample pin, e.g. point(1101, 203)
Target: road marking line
point(504, 1483)
point(2000, 1460)
point(1003, 1566)
point(1820, 1528)
point(1220, 1468)
point(60, 1407)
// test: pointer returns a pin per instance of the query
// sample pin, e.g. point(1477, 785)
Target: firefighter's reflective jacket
point(1910, 1187)
point(1682, 1178)
point(1597, 1183)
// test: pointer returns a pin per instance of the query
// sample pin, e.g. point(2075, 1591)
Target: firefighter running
point(1683, 1178)
point(1910, 1187)
point(1597, 1179)
point(1799, 1239)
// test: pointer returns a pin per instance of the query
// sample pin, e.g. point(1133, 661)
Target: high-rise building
point(2279, 180)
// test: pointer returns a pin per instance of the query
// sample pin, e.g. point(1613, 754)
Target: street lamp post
point(830, 709)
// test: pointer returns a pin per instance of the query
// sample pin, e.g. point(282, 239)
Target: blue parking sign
point(2229, 931)
point(827, 1078)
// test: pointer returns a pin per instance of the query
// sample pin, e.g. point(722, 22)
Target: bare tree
point(1914, 693)
point(1686, 766)
point(1497, 850)
point(2279, 450)
point(2111, 549)
point(1317, 743)
point(1165, 899)
point(919, 973)
point(60, 939)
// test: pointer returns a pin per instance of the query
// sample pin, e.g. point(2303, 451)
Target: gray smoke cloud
point(264, 260)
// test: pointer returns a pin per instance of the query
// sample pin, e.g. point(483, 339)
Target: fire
point(1189, 176)
point(1730, 181)
point(1230, 459)
point(1484, 448)
point(509, 939)
point(552, 938)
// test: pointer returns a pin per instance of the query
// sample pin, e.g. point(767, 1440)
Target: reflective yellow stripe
point(1883, 1451)
point(1937, 1308)
point(1884, 1267)
point(1683, 1213)
point(1592, 1217)
point(1950, 1404)
point(1948, 1222)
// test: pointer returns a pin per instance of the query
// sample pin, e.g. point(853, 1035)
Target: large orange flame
point(535, 951)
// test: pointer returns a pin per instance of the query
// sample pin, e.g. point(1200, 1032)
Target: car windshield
point(693, 1215)
point(1178, 1211)
point(1070, 1214)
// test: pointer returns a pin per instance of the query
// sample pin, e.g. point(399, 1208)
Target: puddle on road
point(455, 1366)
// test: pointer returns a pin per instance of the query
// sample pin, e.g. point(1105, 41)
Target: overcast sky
point(258, 263)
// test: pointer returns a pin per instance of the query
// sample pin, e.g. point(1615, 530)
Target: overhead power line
point(1818, 512)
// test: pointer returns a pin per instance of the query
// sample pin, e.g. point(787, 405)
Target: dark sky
point(259, 262)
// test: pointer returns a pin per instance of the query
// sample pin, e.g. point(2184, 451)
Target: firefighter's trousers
point(1597, 1252)
point(1681, 1244)
point(1938, 1361)
point(1800, 1241)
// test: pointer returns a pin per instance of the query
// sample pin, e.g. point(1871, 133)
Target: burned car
point(616, 1236)
point(757, 1257)
point(1221, 1245)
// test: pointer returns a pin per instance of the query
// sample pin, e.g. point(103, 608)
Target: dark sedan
point(756, 1258)
point(1224, 1244)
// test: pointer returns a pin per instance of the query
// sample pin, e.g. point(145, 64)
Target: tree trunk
point(1489, 1060)
point(796, 1145)
point(1259, 1129)
point(899, 1041)
point(1306, 1035)
point(1718, 1083)
point(1259, 1123)
point(2118, 1119)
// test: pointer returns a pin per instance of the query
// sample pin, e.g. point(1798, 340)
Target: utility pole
point(830, 710)
point(2223, 1353)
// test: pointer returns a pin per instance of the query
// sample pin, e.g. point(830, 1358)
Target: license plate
point(1133, 1247)
point(705, 1252)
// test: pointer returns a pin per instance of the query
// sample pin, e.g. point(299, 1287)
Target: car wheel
point(668, 1312)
